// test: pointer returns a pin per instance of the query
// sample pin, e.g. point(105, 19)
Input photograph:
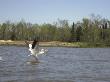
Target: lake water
point(59, 65)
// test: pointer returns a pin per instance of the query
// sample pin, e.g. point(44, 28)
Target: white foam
point(1, 58)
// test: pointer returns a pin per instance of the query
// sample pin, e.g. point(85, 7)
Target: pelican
point(34, 49)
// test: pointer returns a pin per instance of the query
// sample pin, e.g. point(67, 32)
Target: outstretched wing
point(42, 52)
point(35, 44)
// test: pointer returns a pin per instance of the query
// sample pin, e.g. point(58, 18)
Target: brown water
point(59, 65)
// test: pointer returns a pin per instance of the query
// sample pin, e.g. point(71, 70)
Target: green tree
point(3, 30)
point(72, 38)
point(78, 33)
point(13, 32)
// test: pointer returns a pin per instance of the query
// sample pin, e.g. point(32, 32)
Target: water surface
point(59, 65)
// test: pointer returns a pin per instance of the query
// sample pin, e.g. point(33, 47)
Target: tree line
point(94, 29)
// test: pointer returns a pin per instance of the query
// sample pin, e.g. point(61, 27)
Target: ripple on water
point(59, 65)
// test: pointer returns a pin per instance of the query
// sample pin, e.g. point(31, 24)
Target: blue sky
point(48, 11)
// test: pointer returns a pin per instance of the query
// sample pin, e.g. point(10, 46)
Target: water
point(59, 65)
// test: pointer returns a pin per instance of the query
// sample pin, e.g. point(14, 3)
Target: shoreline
point(55, 44)
point(43, 44)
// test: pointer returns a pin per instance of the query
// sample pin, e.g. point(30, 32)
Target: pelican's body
point(34, 51)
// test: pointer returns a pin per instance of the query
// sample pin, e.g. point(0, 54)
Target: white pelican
point(35, 50)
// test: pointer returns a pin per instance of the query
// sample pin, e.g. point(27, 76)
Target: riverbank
point(45, 44)
point(55, 44)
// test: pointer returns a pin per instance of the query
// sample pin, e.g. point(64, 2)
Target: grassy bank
point(55, 44)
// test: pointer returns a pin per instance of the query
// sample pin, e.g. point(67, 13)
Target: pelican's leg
point(35, 58)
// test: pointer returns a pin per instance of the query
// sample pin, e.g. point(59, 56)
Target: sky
point(49, 11)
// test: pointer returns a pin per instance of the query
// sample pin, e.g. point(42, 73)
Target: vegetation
point(94, 31)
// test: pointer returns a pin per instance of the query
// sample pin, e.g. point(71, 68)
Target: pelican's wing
point(35, 45)
point(42, 51)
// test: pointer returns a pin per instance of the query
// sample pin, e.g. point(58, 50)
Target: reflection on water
point(59, 65)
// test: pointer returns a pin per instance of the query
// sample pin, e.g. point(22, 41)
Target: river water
point(60, 64)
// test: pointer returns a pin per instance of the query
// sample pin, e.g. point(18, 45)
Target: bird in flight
point(35, 49)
